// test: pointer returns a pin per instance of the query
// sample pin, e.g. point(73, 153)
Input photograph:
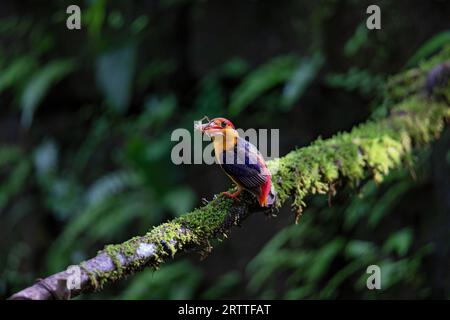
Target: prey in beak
point(210, 128)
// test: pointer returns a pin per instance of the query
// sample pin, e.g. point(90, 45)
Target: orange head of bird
point(216, 127)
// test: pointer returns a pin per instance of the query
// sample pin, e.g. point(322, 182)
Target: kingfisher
point(240, 160)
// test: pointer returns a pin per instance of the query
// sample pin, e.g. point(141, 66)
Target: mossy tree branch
point(413, 118)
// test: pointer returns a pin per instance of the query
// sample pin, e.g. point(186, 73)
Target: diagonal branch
point(370, 150)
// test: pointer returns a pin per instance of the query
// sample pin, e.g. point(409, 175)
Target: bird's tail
point(267, 197)
point(271, 197)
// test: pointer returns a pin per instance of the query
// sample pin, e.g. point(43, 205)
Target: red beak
point(210, 125)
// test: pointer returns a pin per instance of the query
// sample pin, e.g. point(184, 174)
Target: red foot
point(232, 195)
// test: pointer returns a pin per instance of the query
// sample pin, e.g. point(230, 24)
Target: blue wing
point(242, 163)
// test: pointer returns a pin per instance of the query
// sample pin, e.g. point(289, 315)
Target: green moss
point(92, 278)
point(114, 251)
point(370, 150)
point(403, 85)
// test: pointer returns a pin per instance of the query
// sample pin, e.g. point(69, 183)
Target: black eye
point(223, 124)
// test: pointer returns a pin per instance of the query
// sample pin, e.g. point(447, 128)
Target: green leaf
point(180, 200)
point(139, 24)
point(211, 99)
point(223, 285)
point(15, 170)
point(429, 47)
point(9, 153)
point(299, 292)
point(115, 19)
point(95, 16)
point(46, 159)
point(300, 80)
point(39, 85)
point(399, 242)
point(110, 184)
point(158, 110)
point(358, 40)
point(153, 72)
point(266, 77)
point(331, 288)
point(323, 259)
point(16, 72)
point(366, 83)
point(386, 203)
point(178, 280)
point(235, 67)
point(358, 248)
point(114, 73)
point(122, 211)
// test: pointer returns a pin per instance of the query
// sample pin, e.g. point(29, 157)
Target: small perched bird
point(240, 160)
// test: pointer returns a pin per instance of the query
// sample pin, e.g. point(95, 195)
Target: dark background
point(85, 123)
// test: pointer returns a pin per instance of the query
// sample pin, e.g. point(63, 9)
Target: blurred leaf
point(267, 76)
point(266, 265)
point(46, 158)
point(115, 19)
point(100, 131)
point(41, 40)
point(300, 80)
point(139, 24)
point(332, 287)
point(95, 16)
point(363, 81)
point(114, 73)
point(180, 200)
point(223, 286)
point(391, 273)
point(12, 275)
point(62, 195)
point(235, 67)
point(9, 153)
point(323, 258)
point(177, 280)
point(385, 203)
point(108, 185)
point(211, 98)
point(357, 41)
point(149, 158)
point(157, 111)
point(17, 169)
point(39, 84)
point(154, 71)
point(358, 248)
point(16, 72)
point(429, 47)
point(8, 24)
point(274, 256)
point(299, 292)
point(123, 210)
point(399, 242)
point(360, 206)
